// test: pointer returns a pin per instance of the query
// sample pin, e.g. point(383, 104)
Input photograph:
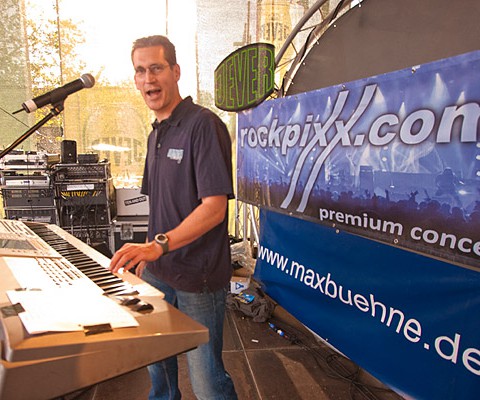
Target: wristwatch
point(162, 240)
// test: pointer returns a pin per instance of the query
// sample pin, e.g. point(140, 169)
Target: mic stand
point(56, 109)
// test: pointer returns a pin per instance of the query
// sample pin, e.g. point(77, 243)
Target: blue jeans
point(208, 377)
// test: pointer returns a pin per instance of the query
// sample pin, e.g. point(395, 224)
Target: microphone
point(58, 94)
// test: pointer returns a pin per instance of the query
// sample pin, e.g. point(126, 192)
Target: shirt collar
point(177, 114)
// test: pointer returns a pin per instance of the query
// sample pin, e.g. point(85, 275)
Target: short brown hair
point(157, 40)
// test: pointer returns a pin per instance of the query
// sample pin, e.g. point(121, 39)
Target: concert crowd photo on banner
point(400, 169)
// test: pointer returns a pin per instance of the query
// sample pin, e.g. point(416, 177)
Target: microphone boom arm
point(56, 109)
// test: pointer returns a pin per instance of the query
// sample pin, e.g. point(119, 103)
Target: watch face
point(161, 238)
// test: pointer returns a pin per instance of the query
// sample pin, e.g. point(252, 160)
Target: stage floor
point(267, 366)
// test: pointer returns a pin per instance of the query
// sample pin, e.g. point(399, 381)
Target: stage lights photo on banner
point(394, 157)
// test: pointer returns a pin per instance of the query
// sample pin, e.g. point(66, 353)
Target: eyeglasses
point(154, 69)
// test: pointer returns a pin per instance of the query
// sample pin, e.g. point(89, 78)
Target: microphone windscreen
point(88, 80)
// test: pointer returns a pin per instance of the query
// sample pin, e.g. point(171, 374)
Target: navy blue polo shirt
point(189, 158)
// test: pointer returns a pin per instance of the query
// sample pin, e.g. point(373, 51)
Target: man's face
point(156, 80)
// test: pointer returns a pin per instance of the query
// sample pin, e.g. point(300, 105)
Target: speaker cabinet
point(69, 152)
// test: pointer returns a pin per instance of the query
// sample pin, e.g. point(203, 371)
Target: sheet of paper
point(68, 310)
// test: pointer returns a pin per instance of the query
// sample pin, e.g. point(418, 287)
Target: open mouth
point(153, 92)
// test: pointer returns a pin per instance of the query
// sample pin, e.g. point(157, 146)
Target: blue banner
point(411, 321)
point(393, 157)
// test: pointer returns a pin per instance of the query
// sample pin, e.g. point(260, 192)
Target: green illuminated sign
point(245, 78)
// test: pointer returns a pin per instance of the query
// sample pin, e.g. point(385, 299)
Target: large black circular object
point(381, 36)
